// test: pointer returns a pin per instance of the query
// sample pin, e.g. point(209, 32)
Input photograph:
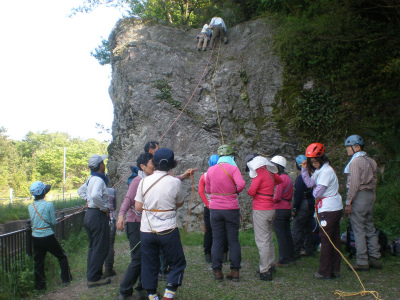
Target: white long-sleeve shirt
point(95, 192)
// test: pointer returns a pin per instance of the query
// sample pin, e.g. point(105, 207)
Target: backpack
point(394, 247)
point(349, 240)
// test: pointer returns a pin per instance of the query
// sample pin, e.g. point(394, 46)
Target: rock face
point(155, 71)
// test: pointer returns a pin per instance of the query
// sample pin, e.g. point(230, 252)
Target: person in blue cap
point(303, 215)
point(43, 220)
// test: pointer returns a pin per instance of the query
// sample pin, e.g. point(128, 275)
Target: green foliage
point(243, 76)
point(387, 205)
point(102, 53)
point(40, 156)
point(166, 94)
point(317, 113)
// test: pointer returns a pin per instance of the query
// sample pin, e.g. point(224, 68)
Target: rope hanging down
point(348, 294)
point(215, 96)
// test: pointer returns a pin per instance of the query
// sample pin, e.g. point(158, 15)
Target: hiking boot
point(279, 265)
point(142, 294)
point(267, 276)
point(122, 297)
point(375, 263)
point(208, 258)
point(218, 276)
point(358, 267)
point(109, 273)
point(233, 275)
point(319, 276)
point(225, 257)
point(100, 282)
point(335, 275)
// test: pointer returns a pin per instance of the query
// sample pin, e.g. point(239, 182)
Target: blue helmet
point(38, 187)
point(213, 160)
point(354, 140)
point(300, 159)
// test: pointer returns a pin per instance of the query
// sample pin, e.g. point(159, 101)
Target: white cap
point(258, 162)
point(279, 160)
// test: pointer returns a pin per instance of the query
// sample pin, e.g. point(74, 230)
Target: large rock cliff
point(156, 69)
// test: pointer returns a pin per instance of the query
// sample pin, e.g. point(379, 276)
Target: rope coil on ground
point(342, 294)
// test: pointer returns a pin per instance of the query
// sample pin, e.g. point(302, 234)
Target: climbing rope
point(347, 294)
point(215, 96)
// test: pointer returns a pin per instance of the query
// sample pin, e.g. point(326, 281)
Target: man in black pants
point(96, 221)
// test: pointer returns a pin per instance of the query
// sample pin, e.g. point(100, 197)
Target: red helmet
point(315, 150)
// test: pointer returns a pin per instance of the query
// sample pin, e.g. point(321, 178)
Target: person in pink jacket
point(224, 182)
point(264, 176)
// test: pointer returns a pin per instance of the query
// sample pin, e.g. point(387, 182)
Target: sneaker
point(358, 267)
point(198, 49)
point(375, 263)
point(218, 276)
point(208, 258)
point(267, 276)
point(100, 282)
point(168, 295)
point(205, 49)
point(319, 276)
point(335, 275)
point(109, 273)
point(233, 275)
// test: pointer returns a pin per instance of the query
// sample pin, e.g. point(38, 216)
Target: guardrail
point(14, 245)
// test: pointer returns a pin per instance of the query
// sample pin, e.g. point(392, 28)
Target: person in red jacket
point(282, 199)
point(207, 244)
point(261, 189)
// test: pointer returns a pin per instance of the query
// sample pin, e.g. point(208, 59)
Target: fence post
point(28, 237)
point(62, 225)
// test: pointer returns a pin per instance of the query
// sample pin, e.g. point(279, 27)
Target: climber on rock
point(219, 29)
point(203, 38)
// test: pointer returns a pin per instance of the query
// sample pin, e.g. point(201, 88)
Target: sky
point(48, 79)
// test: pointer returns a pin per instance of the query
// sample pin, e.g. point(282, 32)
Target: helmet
point(300, 159)
point(213, 160)
point(279, 160)
point(249, 157)
point(38, 187)
point(354, 140)
point(315, 150)
point(225, 150)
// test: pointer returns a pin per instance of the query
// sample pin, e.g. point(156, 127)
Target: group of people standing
point(148, 215)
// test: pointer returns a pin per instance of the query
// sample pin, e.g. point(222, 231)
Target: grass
point(294, 282)
point(19, 210)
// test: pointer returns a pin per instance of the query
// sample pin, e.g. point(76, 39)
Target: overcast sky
point(49, 80)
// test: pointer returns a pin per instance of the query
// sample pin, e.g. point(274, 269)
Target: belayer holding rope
point(157, 198)
point(43, 220)
point(330, 208)
point(360, 202)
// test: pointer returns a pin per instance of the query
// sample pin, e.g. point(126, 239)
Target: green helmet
point(225, 150)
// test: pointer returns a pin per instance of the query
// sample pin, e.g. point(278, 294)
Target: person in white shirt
point(96, 221)
point(219, 29)
point(330, 208)
point(158, 196)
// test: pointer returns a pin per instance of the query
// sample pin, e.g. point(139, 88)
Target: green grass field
point(295, 282)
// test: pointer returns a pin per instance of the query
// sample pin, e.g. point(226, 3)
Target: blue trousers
point(225, 224)
point(171, 246)
point(98, 231)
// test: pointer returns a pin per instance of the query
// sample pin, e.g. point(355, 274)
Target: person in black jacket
point(303, 215)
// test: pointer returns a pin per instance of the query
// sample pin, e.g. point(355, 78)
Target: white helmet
point(279, 160)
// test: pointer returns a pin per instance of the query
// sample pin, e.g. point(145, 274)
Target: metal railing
point(14, 245)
